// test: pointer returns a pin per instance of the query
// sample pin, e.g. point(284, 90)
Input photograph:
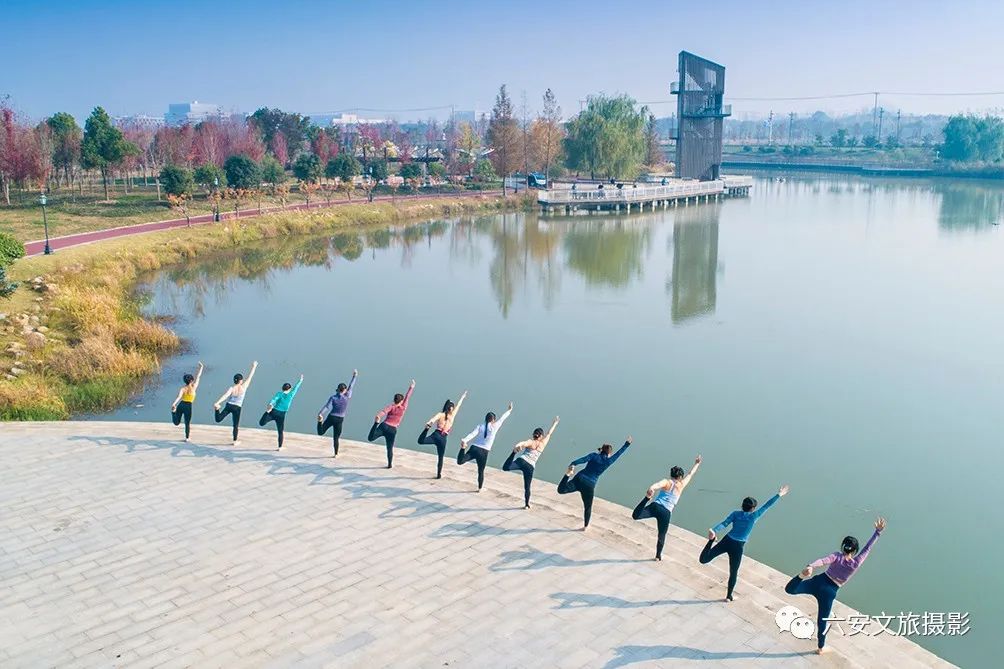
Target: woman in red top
point(387, 421)
point(443, 423)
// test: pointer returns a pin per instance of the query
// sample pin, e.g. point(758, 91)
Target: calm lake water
point(843, 336)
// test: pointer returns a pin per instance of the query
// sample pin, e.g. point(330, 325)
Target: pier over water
point(571, 197)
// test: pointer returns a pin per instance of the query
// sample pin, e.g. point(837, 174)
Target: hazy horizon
point(314, 57)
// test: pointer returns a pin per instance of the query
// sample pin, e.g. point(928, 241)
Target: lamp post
point(216, 201)
point(45, 224)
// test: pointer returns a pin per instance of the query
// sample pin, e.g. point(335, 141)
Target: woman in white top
point(441, 424)
point(524, 457)
point(666, 494)
point(234, 398)
point(480, 441)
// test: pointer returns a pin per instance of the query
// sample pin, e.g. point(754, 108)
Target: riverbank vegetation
point(74, 337)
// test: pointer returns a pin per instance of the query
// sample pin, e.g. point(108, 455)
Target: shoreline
point(865, 170)
point(489, 532)
point(73, 337)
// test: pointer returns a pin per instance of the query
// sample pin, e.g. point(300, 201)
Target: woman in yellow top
point(524, 457)
point(182, 406)
point(441, 424)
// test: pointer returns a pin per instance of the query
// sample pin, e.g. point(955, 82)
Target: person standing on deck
point(234, 398)
point(480, 442)
point(336, 406)
point(181, 408)
point(585, 481)
point(667, 493)
point(734, 543)
point(524, 457)
point(278, 407)
point(387, 421)
point(441, 424)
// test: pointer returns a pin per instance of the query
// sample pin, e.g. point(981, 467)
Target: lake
point(837, 334)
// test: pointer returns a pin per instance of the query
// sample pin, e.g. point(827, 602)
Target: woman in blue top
point(666, 494)
point(584, 482)
point(734, 542)
point(278, 406)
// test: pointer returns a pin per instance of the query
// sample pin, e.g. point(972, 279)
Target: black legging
point(824, 590)
point(512, 462)
point(585, 488)
point(334, 422)
point(280, 421)
point(183, 410)
point(662, 515)
point(479, 455)
point(734, 549)
point(439, 439)
point(235, 415)
point(388, 432)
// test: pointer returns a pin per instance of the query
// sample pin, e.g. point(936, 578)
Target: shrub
point(242, 172)
point(176, 180)
point(10, 249)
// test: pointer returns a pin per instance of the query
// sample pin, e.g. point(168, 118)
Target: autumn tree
point(548, 132)
point(468, 147)
point(103, 145)
point(66, 138)
point(503, 136)
point(653, 150)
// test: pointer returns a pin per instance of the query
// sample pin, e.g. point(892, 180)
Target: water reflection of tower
point(695, 262)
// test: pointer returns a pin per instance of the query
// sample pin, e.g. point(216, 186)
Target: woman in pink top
point(824, 587)
point(387, 421)
point(441, 424)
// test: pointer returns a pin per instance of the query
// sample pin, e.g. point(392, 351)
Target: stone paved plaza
point(120, 545)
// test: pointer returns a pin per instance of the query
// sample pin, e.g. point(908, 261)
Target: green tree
point(839, 138)
point(484, 170)
point(891, 143)
point(242, 172)
point(176, 180)
point(271, 171)
point(66, 139)
point(607, 137)
point(210, 177)
point(653, 151)
point(971, 138)
point(377, 169)
point(410, 171)
point(307, 167)
point(103, 146)
point(437, 170)
point(343, 166)
point(870, 141)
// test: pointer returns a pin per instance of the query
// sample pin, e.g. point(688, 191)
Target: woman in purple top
point(336, 406)
point(842, 565)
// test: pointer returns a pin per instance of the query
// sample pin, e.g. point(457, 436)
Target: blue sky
point(310, 56)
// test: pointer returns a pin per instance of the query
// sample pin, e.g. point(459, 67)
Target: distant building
point(346, 120)
point(191, 112)
point(139, 121)
point(468, 116)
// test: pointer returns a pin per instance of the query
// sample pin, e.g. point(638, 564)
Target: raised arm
point(547, 437)
point(769, 503)
point(296, 388)
point(501, 419)
point(620, 451)
point(407, 395)
point(879, 526)
point(352, 383)
point(693, 470)
point(247, 381)
point(198, 376)
point(460, 403)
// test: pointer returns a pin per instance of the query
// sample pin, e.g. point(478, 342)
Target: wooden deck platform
point(591, 197)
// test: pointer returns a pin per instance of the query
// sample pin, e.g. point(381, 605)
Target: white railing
point(630, 194)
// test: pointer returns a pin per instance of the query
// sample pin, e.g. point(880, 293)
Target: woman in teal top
point(734, 542)
point(278, 406)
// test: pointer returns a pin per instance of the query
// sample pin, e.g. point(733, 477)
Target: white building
point(181, 113)
point(139, 121)
point(345, 120)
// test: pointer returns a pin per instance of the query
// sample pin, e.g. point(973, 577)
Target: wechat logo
point(792, 619)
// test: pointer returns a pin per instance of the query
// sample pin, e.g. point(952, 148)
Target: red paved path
point(36, 247)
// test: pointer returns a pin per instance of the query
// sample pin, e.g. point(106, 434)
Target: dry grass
point(99, 349)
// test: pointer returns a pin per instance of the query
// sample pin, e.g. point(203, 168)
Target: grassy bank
point(73, 337)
